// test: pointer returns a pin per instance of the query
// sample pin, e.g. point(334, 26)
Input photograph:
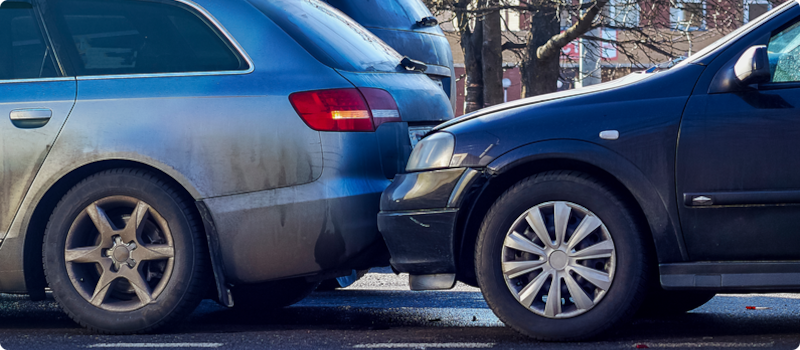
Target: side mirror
point(753, 66)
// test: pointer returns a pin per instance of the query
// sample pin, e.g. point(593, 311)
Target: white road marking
point(709, 345)
point(424, 345)
point(156, 345)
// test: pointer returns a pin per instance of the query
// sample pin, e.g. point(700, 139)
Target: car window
point(330, 36)
point(23, 50)
point(784, 54)
point(137, 37)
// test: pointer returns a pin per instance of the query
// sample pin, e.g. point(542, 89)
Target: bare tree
point(647, 31)
point(481, 40)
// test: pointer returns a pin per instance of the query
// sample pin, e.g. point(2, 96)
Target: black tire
point(662, 302)
point(611, 293)
point(273, 295)
point(165, 256)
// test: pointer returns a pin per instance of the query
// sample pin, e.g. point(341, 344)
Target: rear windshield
point(387, 14)
point(330, 36)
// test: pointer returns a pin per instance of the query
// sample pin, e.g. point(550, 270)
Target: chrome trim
point(162, 75)
point(224, 32)
point(30, 114)
point(219, 27)
point(36, 80)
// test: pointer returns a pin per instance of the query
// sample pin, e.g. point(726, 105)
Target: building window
point(687, 15)
point(755, 8)
point(623, 13)
point(565, 18)
point(510, 17)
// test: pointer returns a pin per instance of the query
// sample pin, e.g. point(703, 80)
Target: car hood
point(634, 106)
point(626, 80)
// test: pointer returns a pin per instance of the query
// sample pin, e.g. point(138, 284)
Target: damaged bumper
point(418, 219)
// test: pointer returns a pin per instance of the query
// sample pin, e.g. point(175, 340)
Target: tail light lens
point(345, 109)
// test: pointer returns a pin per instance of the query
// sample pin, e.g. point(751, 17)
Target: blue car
point(154, 149)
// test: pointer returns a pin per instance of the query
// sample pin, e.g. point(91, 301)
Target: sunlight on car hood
point(626, 80)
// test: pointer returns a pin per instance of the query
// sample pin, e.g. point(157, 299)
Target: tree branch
point(584, 24)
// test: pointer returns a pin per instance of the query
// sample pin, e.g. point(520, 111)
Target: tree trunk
point(471, 45)
point(492, 57)
point(540, 74)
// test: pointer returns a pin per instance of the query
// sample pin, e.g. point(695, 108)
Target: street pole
point(589, 61)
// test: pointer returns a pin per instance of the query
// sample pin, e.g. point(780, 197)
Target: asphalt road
point(379, 312)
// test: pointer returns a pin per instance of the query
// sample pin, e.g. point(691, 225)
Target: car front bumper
point(418, 217)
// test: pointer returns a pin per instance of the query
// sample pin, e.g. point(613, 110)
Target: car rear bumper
point(418, 219)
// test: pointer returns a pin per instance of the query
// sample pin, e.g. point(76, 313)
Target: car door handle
point(30, 118)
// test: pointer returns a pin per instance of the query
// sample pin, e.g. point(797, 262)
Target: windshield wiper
point(414, 65)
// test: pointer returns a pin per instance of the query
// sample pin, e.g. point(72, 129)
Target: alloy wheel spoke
point(598, 278)
point(602, 250)
point(103, 224)
point(514, 269)
point(534, 219)
point(83, 255)
point(553, 305)
point(587, 226)
point(562, 213)
point(579, 297)
point(138, 283)
point(522, 243)
point(527, 294)
point(135, 225)
point(104, 284)
point(153, 252)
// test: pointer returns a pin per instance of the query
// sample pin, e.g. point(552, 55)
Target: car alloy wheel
point(124, 252)
point(119, 253)
point(557, 244)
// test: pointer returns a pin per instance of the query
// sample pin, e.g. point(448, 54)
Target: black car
point(574, 211)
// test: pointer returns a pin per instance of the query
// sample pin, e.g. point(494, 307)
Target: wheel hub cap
point(558, 259)
point(120, 253)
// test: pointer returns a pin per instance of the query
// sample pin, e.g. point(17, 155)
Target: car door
point(35, 99)
point(738, 164)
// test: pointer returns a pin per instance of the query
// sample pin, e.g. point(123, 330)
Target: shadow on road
point(456, 314)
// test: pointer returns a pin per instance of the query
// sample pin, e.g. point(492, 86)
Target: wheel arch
point(597, 161)
point(34, 224)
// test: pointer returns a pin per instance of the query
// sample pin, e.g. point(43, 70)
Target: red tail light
point(345, 109)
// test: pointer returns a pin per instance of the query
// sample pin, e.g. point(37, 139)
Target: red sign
point(608, 50)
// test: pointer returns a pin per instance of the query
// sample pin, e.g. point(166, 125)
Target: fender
point(19, 274)
point(660, 211)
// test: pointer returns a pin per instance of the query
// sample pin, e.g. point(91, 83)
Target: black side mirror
point(753, 66)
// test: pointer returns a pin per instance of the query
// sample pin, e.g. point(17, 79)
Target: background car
point(153, 148)
point(573, 210)
point(409, 27)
